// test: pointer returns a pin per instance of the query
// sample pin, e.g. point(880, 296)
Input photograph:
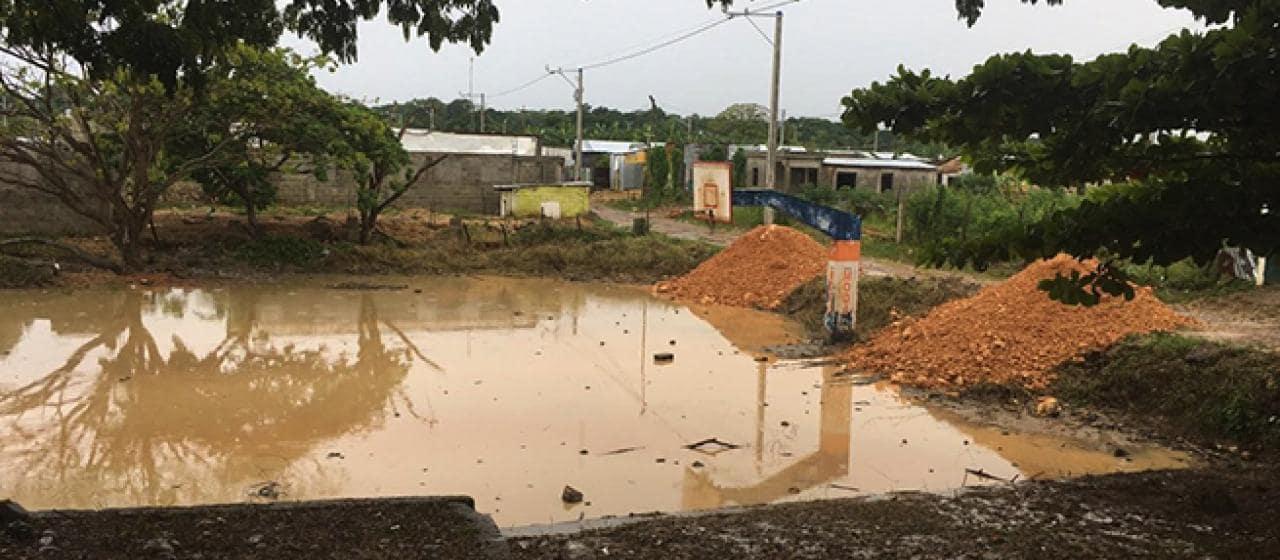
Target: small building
point(544, 200)
point(879, 172)
point(612, 164)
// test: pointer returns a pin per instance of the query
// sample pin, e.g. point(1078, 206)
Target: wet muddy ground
point(504, 390)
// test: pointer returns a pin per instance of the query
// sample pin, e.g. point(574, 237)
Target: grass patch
point(592, 253)
point(878, 299)
point(21, 273)
point(1204, 390)
point(281, 251)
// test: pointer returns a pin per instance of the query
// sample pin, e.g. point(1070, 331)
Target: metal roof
point(879, 163)
point(610, 146)
point(419, 140)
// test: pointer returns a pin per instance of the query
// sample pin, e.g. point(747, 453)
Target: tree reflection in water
point(145, 428)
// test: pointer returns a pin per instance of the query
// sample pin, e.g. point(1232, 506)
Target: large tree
point(282, 122)
point(374, 155)
point(1178, 144)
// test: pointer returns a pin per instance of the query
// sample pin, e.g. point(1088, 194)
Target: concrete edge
point(451, 501)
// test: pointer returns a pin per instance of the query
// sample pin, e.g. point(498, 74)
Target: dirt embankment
point(196, 245)
point(1010, 333)
point(1178, 514)
point(761, 269)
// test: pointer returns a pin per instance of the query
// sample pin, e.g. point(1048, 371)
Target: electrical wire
point(521, 87)
point(659, 46)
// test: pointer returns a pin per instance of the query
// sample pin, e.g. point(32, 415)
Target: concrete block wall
point(462, 182)
point(24, 211)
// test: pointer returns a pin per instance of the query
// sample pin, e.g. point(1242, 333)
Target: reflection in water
point(828, 463)
point(146, 426)
point(500, 389)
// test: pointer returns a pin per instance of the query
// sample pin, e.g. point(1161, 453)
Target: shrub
point(281, 251)
point(21, 273)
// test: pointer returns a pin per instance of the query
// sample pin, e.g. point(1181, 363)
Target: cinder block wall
point(459, 183)
point(24, 211)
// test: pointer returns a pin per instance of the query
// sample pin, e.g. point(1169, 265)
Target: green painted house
point(556, 200)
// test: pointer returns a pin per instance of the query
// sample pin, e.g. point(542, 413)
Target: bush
point(21, 273)
point(1207, 390)
point(945, 220)
point(275, 252)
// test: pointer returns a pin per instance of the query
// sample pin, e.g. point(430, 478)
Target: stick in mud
point(986, 476)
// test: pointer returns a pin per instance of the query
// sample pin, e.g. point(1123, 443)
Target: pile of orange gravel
point(760, 269)
point(1009, 333)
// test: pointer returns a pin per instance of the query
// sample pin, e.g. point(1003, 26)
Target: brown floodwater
point(504, 390)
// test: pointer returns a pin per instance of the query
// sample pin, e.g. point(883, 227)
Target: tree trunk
point(251, 217)
point(368, 221)
point(250, 212)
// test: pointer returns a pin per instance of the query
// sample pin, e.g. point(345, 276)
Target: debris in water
point(664, 357)
point(843, 487)
point(336, 455)
point(712, 446)
point(1120, 453)
point(623, 450)
point(269, 490)
point(697, 464)
point(583, 452)
point(571, 495)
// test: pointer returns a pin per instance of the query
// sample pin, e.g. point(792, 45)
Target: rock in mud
point(571, 495)
point(1048, 407)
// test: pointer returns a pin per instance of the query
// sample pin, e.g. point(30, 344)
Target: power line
point(523, 86)
point(659, 46)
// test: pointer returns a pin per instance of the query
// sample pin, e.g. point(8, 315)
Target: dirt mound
point(1009, 333)
point(760, 270)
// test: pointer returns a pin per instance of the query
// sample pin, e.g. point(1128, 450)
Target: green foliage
point(1182, 137)
point(945, 222)
point(173, 40)
point(594, 253)
point(664, 175)
point(868, 204)
point(21, 273)
point(280, 252)
point(267, 112)
point(1207, 390)
point(739, 168)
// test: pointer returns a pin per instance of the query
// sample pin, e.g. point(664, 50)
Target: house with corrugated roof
point(879, 172)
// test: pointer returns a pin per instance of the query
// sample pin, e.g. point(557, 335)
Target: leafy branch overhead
point(1177, 146)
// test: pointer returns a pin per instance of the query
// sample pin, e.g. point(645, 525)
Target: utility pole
point(771, 178)
point(771, 161)
point(783, 134)
point(577, 158)
point(578, 96)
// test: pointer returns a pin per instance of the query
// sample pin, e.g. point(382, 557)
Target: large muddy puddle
point(505, 390)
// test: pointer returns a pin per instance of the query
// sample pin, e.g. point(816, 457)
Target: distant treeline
point(742, 124)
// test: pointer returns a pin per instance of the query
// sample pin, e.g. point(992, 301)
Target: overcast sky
point(830, 47)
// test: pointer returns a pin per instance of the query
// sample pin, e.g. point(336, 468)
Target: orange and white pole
point(843, 271)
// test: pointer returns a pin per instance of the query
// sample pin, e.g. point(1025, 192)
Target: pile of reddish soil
point(758, 270)
point(1009, 333)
